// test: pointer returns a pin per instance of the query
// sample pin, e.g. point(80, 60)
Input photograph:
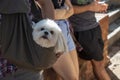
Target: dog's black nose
point(46, 33)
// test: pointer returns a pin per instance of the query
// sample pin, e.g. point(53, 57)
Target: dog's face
point(46, 32)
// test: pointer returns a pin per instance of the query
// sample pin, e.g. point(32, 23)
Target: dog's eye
point(51, 32)
point(42, 29)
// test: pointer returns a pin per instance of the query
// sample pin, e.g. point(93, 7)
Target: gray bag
point(17, 44)
point(14, 6)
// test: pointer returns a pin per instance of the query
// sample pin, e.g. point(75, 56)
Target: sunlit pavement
point(114, 50)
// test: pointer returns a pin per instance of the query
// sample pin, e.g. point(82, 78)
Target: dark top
point(83, 21)
point(81, 2)
point(56, 3)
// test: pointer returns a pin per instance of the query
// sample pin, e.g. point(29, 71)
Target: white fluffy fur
point(47, 33)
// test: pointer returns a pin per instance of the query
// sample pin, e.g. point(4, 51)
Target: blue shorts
point(64, 25)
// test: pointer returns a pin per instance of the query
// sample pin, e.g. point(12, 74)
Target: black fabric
point(36, 11)
point(0, 29)
point(18, 45)
point(14, 6)
point(56, 4)
point(79, 48)
point(92, 43)
point(81, 2)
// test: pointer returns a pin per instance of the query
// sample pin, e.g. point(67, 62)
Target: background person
point(88, 33)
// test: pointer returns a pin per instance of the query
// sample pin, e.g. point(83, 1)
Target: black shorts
point(92, 43)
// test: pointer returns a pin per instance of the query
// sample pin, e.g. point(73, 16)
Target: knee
point(98, 64)
point(99, 68)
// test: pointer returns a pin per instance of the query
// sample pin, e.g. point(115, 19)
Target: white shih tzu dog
point(47, 33)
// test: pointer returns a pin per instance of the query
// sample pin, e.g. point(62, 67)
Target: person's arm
point(49, 11)
point(47, 8)
point(94, 7)
point(64, 13)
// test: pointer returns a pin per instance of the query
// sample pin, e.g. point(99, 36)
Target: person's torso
point(57, 5)
point(83, 21)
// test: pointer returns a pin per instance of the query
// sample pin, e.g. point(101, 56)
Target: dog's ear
point(33, 24)
point(61, 45)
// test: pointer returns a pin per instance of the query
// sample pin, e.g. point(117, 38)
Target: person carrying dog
point(16, 40)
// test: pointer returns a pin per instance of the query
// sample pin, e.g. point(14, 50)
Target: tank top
point(57, 5)
point(35, 12)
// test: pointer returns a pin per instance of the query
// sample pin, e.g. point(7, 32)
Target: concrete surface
point(114, 45)
point(114, 66)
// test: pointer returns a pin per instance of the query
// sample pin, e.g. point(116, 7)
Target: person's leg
point(74, 58)
point(65, 67)
point(99, 70)
point(88, 75)
point(67, 64)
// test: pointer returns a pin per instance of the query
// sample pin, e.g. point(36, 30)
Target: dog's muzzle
point(45, 35)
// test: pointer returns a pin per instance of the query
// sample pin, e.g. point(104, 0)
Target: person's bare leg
point(65, 67)
point(74, 58)
point(88, 72)
point(99, 70)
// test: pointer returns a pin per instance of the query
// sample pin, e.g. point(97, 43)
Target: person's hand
point(104, 7)
point(96, 6)
point(69, 12)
